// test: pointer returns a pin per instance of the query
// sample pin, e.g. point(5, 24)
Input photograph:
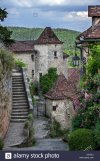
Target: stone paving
point(43, 142)
point(14, 135)
point(41, 128)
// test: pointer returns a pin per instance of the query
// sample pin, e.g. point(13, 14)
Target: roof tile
point(48, 37)
point(62, 89)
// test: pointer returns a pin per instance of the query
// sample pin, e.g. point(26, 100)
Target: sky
point(68, 14)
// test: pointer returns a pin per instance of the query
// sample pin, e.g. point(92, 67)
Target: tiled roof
point(74, 75)
point(22, 46)
point(62, 89)
point(48, 37)
point(91, 33)
point(94, 11)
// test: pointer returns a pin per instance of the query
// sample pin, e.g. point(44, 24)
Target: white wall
point(45, 59)
point(64, 111)
point(26, 58)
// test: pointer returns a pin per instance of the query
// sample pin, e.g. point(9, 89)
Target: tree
point(48, 80)
point(3, 14)
point(5, 34)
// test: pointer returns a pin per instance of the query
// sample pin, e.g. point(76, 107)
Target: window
point(40, 75)
point(32, 57)
point(55, 54)
point(32, 73)
point(54, 108)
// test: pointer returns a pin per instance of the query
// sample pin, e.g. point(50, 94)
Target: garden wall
point(5, 103)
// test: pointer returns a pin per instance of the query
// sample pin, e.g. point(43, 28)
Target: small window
point(32, 73)
point(54, 108)
point(55, 54)
point(32, 57)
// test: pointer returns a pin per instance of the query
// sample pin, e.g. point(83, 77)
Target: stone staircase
point(19, 99)
point(20, 110)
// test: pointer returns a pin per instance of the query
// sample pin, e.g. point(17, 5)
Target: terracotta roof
point(22, 46)
point(91, 33)
point(62, 89)
point(48, 37)
point(74, 75)
point(94, 11)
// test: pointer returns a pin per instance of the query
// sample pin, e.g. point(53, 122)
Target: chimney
point(94, 12)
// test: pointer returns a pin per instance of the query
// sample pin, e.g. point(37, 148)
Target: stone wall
point(26, 58)
point(45, 59)
point(57, 62)
point(63, 114)
point(5, 104)
point(41, 60)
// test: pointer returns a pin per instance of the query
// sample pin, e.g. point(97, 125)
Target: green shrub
point(85, 118)
point(27, 124)
point(65, 135)
point(97, 134)
point(19, 63)
point(6, 62)
point(30, 117)
point(34, 88)
point(55, 129)
point(1, 143)
point(81, 139)
point(47, 80)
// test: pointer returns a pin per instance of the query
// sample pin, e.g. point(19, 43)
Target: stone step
point(19, 101)
point(20, 110)
point(17, 81)
point(17, 85)
point(17, 120)
point(18, 92)
point(18, 88)
point(14, 83)
point(17, 78)
point(19, 98)
point(20, 106)
point(18, 117)
point(18, 74)
point(19, 114)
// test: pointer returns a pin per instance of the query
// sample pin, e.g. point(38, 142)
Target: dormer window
point(32, 57)
point(55, 54)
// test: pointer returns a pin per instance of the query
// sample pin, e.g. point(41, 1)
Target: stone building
point(92, 34)
point(41, 54)
point(59, 101)
point(24, 51)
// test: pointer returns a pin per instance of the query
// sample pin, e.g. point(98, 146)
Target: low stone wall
point(25, 77)
point(5, 103)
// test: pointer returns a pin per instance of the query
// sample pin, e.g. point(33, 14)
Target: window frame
point(55, 55)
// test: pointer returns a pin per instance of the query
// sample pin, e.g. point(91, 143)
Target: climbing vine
point(6, 62)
